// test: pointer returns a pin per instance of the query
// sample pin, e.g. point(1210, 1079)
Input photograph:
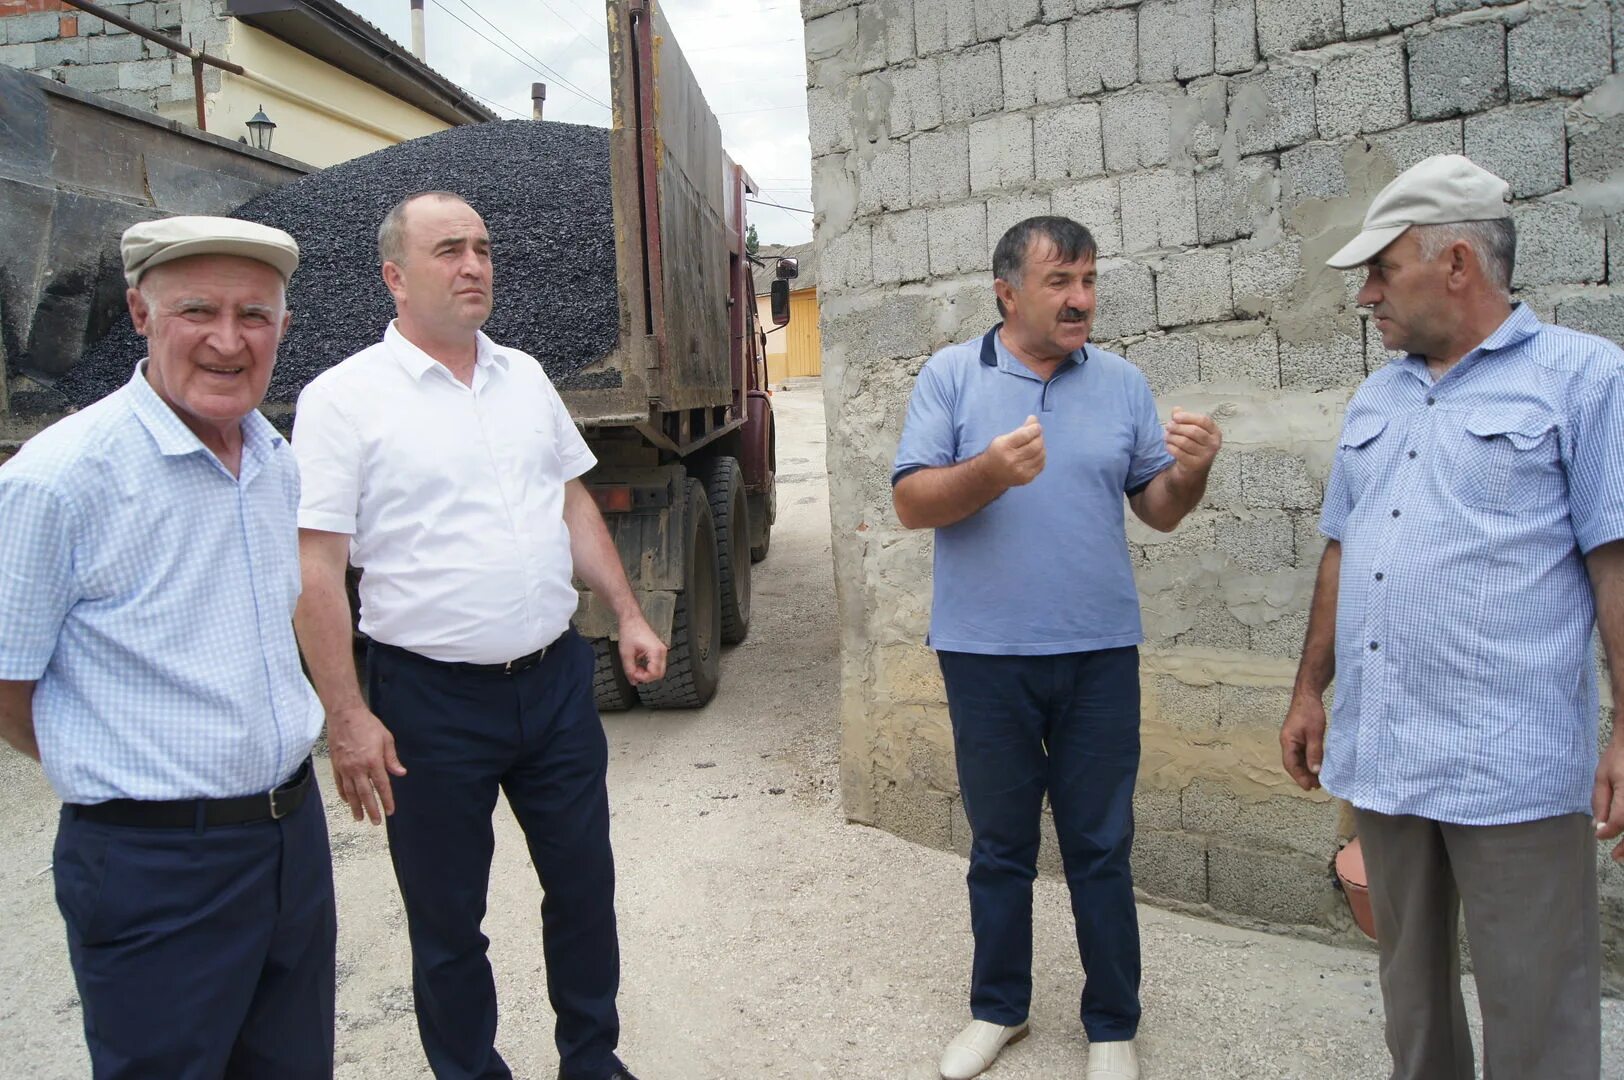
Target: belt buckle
point(277, 813)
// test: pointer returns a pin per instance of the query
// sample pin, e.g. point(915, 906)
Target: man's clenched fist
point(1193, 440)
point(1017, 457)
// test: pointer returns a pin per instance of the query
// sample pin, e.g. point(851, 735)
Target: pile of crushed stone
point(544, 192)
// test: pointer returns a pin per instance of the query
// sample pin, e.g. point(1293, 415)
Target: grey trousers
point(1529, 891)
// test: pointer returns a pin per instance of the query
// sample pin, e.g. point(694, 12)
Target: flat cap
point(153, 243)
point(1442, 190)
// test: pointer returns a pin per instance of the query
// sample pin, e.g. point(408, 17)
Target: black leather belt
point(511, 667)
point(279, 802)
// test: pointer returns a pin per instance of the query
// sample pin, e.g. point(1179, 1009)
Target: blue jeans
point(1066, 726)
point(466, 737)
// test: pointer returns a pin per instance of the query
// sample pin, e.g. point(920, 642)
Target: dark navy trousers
point(1064, 726)
point(202, 953)
point(535, 737)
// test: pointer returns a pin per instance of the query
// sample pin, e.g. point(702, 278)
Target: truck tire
point(730, 510)
point(610, 687)
point(693, 663)
point(763, 508)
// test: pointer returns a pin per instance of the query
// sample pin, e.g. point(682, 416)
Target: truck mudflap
point(594, 619)
point(648, 523)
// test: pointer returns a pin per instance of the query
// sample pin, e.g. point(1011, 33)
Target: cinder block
point(1034, 66)
point(38, 26)
point(1168, 361)
point(1281, 635)
point(1296, 822)
point(1263, 280)
point(1239, 353)
point(1194, 288)
point(1596, 148)
point(1231, 203)
point(827, 113)
point(1461, 69)
point(1272, 111)
point(1066, 142)
point(144, 74)
point(1455, 7)
point(1098, 205)
point(1058, 10)
point(1212, 626)
point(944, 25)
point(883, 326)
point(972, 83)
point(1557, 244)
point(920, 815)
point(1234, 36)
point(113, 48)
point(939, 166)
point(1334, 358)
point(1170, 865)
point(1274, 479)
point(1200, 119)
point(1157, 809)
point(996, 18)
point(1615, 249)
point(1102, 51)
point(1259, 542)
point(1285, 26)
point(92, 78)
point(958, 239)
point(1175, 39)
point(1006, 211)
point(1309, 544)
point(18, 56)
point(847, 259)
point(882, 184)
point(1136, 128)
point(871, 29)
point(1158, 210)
point(901, 248)
point(1127, 300)
point(1000, 152)
point(1276, 887)
point(1367, 18)
point(1410, 145)
point(166, 16)
point(1311, 172)
point(1361, 93)
point(1559, 51)
point(134, 99)
point(916, 97)
point(63, 51)
point(1601, 315)
point(1527, 147)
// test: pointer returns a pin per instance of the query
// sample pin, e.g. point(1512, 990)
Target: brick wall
point(1220, 150)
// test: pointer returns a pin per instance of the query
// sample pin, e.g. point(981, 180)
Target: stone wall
point(1220, 150)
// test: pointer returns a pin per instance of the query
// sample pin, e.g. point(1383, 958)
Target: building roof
point(763, 276)
point(332, 32)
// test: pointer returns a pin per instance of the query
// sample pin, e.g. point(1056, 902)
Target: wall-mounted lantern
point(261, 127)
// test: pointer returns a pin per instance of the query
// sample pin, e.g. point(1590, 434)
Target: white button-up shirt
point(453, 496)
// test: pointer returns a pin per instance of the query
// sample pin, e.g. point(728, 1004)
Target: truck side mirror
point(788, 269)
point(780, 302)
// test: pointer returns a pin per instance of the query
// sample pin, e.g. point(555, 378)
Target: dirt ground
point(762, 936)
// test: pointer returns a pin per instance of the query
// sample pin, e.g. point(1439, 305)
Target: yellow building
point(795, 350)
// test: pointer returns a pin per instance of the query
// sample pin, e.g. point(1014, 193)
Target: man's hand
point(363, 755)
point(1302, 740)
point(642, 653)
point(1193, 440)
point(1607, 801)
point(1017, 457)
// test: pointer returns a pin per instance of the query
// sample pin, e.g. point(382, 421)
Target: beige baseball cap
point(1442, 190)
point(153, 243)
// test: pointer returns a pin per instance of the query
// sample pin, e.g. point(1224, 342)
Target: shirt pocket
point(1360, 448)
point(1506, 459)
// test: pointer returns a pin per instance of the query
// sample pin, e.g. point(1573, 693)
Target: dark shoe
point(622, 1073)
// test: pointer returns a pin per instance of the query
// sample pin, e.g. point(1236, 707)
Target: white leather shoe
point(1113, 1061)
point(976, 1047)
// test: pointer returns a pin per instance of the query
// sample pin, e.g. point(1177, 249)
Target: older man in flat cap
point(148, 573)
point(1475, 538)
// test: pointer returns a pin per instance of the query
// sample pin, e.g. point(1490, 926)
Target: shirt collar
point(417, 362)
point(995, 354)
point(1517, 328)
point(174, 439)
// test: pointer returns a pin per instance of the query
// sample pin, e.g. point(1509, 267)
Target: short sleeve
point(1150, 454)
point(1337, 504)
point(328, 450)
point(1594, 455)
point(928, 433)
point(574, 456)
point(37, 582)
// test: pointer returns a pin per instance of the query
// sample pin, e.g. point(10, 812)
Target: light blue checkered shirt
point(1465, 679)
point(151, 595)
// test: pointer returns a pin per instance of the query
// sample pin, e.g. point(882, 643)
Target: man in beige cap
point(1475, 539)
point(147, 660)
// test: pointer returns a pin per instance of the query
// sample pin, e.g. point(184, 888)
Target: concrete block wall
point(1220, 150)
point(60, 42)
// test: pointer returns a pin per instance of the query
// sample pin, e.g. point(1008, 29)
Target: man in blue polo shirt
point(1018, 449)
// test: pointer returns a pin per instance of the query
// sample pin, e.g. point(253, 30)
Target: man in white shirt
point(448, 470)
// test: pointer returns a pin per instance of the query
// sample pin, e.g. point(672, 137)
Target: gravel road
point(763, 937)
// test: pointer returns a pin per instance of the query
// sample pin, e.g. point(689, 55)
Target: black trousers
point(202, 953)
point(535, 737)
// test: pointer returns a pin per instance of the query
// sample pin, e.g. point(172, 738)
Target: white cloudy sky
point(748, 57)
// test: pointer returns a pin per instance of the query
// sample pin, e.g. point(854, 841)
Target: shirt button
point(1395, 513)
point(1374, 646)
point(1379, 575)
point(1412, 453)
point(1432, 401)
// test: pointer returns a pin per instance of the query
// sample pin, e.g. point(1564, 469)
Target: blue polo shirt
point(1044, 568)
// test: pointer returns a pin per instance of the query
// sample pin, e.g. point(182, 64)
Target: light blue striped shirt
point(151, 595)
point(1465, 677)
